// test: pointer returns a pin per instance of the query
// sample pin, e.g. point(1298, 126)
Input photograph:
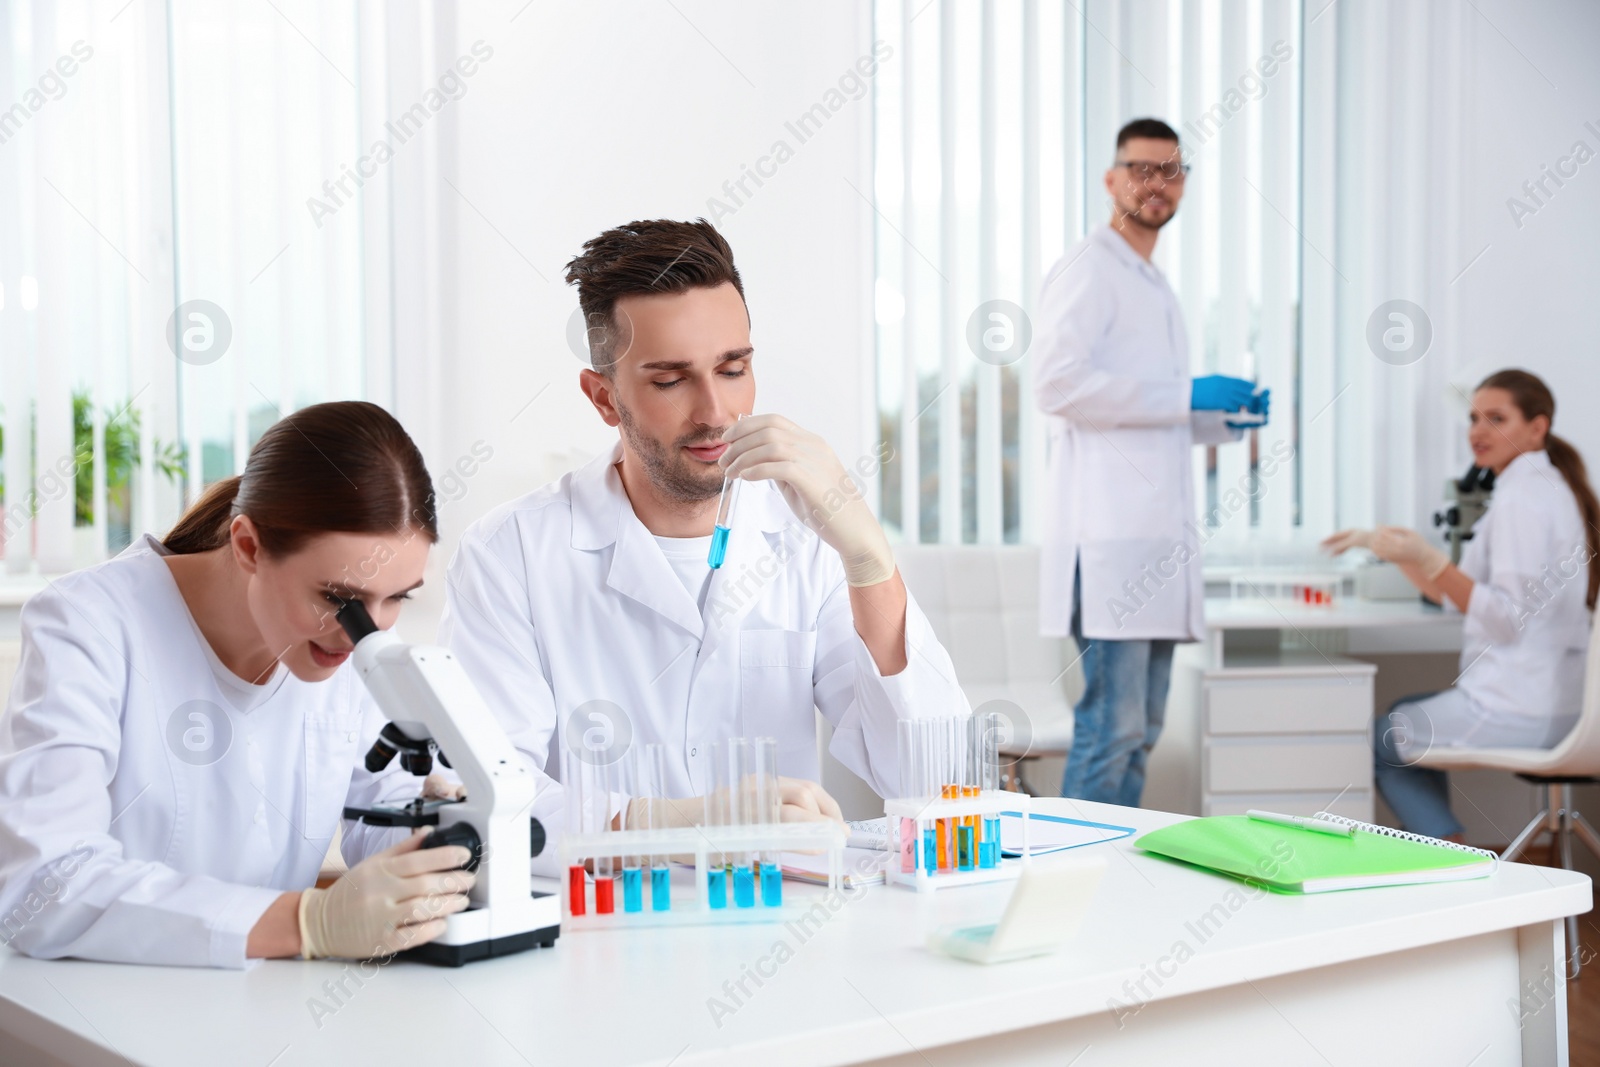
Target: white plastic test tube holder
point(706, 844)
point(924, 813)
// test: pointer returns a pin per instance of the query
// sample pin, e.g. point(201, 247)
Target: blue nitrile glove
point(1218, 392)
point(1260, 404)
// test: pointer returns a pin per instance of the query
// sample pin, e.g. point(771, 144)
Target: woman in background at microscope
point(182, 736)
point(1526, 585)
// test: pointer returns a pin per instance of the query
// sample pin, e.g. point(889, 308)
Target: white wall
point(592, 115)
point(1444, 110)
point(1531, 299)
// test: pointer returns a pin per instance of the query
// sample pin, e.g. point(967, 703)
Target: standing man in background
point(1120, 567)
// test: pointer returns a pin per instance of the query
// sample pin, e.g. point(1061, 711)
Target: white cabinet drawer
point(1352, 803)
point(1288, 707)
point(1270, 765)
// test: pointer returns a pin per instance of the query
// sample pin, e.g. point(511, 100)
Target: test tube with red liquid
point(576, 798)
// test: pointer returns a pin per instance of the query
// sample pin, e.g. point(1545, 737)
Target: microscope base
point(457, 955)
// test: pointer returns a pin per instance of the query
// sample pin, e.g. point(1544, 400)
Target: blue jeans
point(1419, 796)
point(1118, 718)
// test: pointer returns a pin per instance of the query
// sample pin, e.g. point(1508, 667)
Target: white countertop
point(859, 987)
point(16, 589)
point(1226, 613)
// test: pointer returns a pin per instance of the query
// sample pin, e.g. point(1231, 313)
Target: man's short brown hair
point(655, 256)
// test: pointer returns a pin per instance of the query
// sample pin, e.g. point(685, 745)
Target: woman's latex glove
point(817, 488)
point(1397, 544)
point(388, 902)
point(800, 800)
point(1345, 540)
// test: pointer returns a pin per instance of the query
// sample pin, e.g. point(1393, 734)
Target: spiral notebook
point(1287, 859)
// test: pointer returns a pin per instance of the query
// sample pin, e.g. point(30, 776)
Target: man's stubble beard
point(670, 473)
point(1138, 220)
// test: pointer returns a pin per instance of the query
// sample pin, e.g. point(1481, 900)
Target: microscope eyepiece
point(355, 620)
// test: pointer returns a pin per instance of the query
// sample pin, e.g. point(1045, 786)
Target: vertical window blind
point(992, 133)
point(165, 303)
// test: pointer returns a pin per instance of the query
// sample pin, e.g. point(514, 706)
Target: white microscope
point(432, 705)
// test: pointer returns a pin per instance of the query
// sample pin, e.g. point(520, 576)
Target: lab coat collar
point(600, 506)
point(602, 516)
point(1528, 464)
point(1120, 248)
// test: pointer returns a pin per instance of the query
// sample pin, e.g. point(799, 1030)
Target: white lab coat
point(112, 846)
point(1113, 380)
point(562, 598)
point(1526, 630)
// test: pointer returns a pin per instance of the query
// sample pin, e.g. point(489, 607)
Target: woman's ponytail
point(205, 525)
point(1567, 460)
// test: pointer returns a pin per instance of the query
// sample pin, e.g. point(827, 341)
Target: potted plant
point(121, 456)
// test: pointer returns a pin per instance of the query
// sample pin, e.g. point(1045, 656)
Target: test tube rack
point(1307, 589)
point(707, 844)
point(908, 858)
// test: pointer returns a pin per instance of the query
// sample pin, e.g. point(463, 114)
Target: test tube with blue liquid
point(655, 758)
point(719, 535)
point(633, 866)
point(741, 772)
point(769, 805)
point(718, 814)
point(989, 845)
point(928, 788)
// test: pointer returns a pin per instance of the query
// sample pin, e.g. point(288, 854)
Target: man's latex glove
point(1345, 540)
point(1260, 404)
point(817, 488)
point(1397, 544)
point(801, 801)
point(1218, 392)
point(388, 902)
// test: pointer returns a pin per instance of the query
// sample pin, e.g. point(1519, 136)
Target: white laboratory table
point(1173, 965)
point(1360, 625)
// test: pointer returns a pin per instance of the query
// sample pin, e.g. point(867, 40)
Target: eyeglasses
point(1168, 171)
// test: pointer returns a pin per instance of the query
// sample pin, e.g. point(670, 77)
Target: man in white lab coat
point(1120, 567)
point(587, 611)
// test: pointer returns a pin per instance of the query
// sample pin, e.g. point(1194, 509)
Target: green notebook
point(1290, 860)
